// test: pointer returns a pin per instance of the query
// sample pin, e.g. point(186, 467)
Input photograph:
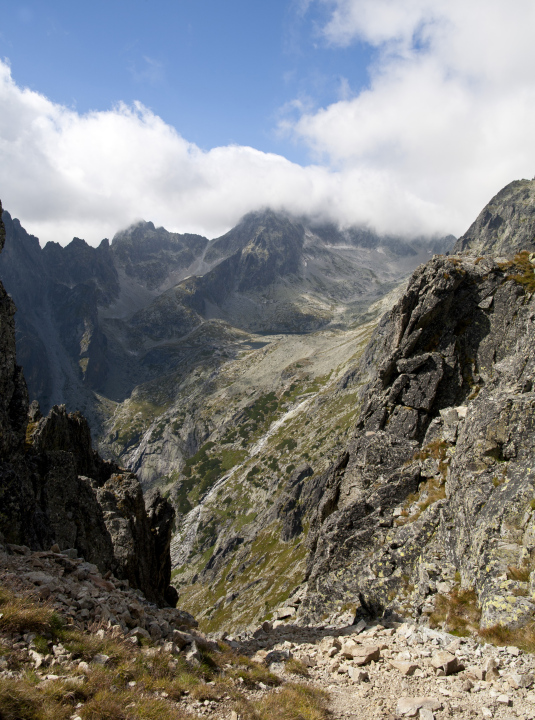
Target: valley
point(353, 492)
point(214, 370)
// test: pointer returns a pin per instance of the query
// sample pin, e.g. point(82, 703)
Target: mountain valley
point(352, 497)
point(309, 416)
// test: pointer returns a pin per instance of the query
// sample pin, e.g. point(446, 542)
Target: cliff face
point(437, 486)
point(54, 487)
point(13, 393)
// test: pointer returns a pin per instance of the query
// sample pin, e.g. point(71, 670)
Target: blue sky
point(219, 72)
point(402, 115)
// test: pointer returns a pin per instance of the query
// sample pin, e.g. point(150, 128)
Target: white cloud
point(450, 110)
point(447, 120)
point(66, 174)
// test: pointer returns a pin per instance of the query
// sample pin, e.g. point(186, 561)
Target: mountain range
point(333, 437)
point(126, 323)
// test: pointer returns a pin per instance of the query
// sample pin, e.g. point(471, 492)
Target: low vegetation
point(457, 612)
point(523, 637)
point(295, 702)
point(20, 614)
point(136, 683)
point(521, 271)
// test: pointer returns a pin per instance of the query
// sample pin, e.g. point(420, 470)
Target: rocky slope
point(56, 490)
point(71, 641)
point(436, 485)
point(432, 492)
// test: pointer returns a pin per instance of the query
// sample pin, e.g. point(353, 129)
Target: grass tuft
point(523, 637)
point(521, 271)
point(296, 667)
point(458, 612)
point(21, 615)
point(520, 574)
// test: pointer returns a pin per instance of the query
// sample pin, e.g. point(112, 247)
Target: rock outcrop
point(437, 487)
point(55, 489)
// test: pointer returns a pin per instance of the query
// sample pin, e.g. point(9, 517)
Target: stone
point(503, 700)
point(182, 638)
point(155, 631)
point(170, 647)
point(486, 712)
point(447, 662)
point(100, 659)
point(37, 658)
point(193, 656)
point(277, 656)
point(364, 654)
point(490, 668)
point(348, 647)
point(139, 633)
point(405, 668)
point(475, 672)
point(358, 675)
point(454, 646)
point(285, 612)
point(410, 706)
point(426, 714)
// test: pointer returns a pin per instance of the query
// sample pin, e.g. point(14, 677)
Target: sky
point(403, 115)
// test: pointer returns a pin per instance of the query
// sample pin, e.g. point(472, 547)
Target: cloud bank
point(450, 108)
point(446, 121)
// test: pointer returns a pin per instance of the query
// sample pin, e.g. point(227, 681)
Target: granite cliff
point(436, 487)
point(435, 492)
point(56, 490)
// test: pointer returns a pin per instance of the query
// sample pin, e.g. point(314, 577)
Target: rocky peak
point(78, 263)
point(506, 225)
point(55, 489)
point(153, 255)
point(256, 229)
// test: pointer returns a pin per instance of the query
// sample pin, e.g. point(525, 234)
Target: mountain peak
point(506, 224)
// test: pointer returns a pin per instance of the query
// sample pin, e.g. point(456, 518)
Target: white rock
point(426, 714)
point(285, 612)
point(358, 675)
point(405, 668)
point(410, 706)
